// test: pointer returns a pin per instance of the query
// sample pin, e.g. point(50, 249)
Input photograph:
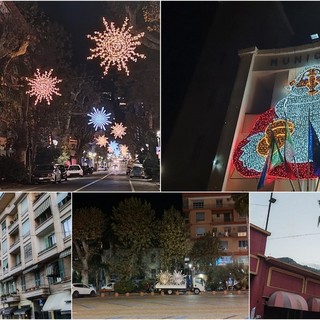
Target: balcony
point(48, 252)
point(14, 225)
point(16, 268)
point(35, 292)
point(12, 297)
point(15, 246)
point(44, 226)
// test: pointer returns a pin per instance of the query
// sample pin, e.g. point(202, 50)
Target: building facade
point(280, 290)
point(275, 95)
point(215, 213)
point(35, 255)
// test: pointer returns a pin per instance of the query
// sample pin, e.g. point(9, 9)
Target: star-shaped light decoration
point(115, 46)
point(113, 146)
point(118, 130)
point(124, 149)
point(101, 141)
point(43, 86)
point(99, 118)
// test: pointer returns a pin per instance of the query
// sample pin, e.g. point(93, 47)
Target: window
point(243, 244)
point(199, 204)
point(24, 206)
point(227, 217)
point(4, 246)
point(242, 231)
point(25, 228)
point(17, 260)
point(3, 227)
point(23, 282)
point(51, 241)
point(63, 198)
point(200, 231)
point(5, 267)
point(219, 202)
point(224, 245)
point(28, 252)
point(67, 227)
point(200, 216)
point(37, 278)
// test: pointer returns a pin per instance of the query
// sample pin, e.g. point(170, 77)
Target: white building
point(273, 87)
point(35, 255)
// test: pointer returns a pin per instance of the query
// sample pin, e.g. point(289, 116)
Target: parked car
point(102, 168)
point(74, 170)
point(81, 289)
point(63, 171)
point(87, 170)
point(137, 171)
point(109, 287)
point(46, 173)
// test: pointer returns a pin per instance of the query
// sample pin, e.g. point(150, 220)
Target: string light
point(101, 141)
point(115, 46)
point(118, 130)
point(300, 106)
point(43, 86)
point(99, 118)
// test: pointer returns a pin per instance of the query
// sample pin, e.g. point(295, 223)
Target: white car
point(74, 170)
point(108, 287)
point(81, 289)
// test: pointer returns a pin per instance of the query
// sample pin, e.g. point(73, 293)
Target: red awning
point(287, 300)
point(314, 304)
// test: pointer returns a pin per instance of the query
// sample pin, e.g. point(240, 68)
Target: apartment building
point(215, 213)
point(35, 273)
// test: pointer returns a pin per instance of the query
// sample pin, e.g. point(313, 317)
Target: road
point(185, 306)
point(114, 180)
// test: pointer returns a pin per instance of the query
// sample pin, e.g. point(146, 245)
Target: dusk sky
point(293, 223)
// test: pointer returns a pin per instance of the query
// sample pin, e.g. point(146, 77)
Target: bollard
point(127, 294)
point(213, 292)
point(116, 294)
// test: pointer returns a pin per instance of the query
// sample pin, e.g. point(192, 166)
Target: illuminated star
point(99, 118)
point(124, 149)
point(43, 86)
point(115, 46)
point(113, 147)
point(118, 130)
point(101, 141)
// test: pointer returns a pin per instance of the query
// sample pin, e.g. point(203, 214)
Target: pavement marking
point(131, 186)
point(93, 182)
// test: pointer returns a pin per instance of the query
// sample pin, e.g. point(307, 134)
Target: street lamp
point(271, 200)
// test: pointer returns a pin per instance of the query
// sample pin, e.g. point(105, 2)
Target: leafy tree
point(241, 203)
point(205, 251)
point(87, 230)
point(132, 224)
point(173, 240)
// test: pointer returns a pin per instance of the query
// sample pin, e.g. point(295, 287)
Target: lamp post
point(271, 200)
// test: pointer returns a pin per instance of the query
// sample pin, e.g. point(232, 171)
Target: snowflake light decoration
point(124, 149)
point(113, 146)
point(43, 86)
point(101, 141)
point(99, 118)
point(118, 130)
point(115, 46)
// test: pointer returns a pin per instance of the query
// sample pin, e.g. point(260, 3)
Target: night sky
point(106, 201)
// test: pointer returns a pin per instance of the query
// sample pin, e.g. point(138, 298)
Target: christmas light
point(115, 46)
point(113, 147)
point(118, 130)
point(99, 118)
point(101, 141)
point(43, 86)
point(124, 150)
point(299, 107)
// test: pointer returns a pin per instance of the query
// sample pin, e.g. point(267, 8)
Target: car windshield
point(73, 168)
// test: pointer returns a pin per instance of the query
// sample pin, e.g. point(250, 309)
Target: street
point(112, 180)
point(184, 306)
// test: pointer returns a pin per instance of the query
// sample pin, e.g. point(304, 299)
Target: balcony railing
point(34, 292)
